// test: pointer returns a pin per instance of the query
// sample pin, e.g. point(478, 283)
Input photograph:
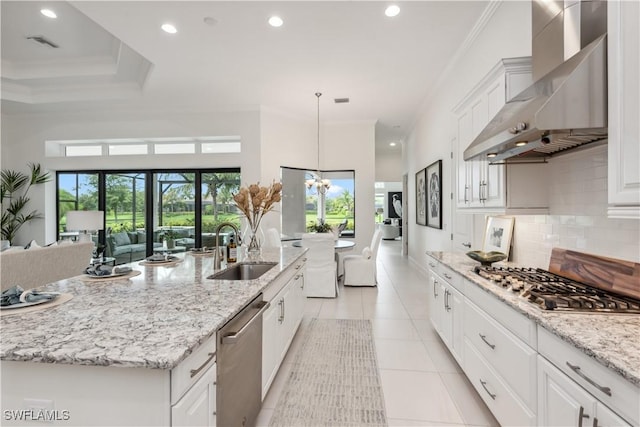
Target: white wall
point(351, 145)
point(23, 138)
point(506, 34)
point(389, 166)
point(578, 215)
point(285, 141)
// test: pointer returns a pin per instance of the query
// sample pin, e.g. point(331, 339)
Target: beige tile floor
point(422, 383)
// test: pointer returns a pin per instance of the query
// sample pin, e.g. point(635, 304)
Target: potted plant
point(170, 238)
point(319, 227)
point(14, 189)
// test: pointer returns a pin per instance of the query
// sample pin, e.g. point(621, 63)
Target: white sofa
point(32, 268)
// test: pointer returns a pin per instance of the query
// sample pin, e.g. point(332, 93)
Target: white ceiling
point(113, 55)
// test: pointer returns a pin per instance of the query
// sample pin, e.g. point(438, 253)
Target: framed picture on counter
point(421, 198)
point(497, 234)
point(434, 194)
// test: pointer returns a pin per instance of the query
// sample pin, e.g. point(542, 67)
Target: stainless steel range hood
point(567, 106)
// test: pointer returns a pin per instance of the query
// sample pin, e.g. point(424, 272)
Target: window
point(138, 204)
point(302, 206)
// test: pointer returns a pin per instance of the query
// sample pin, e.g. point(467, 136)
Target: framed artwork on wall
point(434, 194)
point(394, 204)
point(421, 198)
point(497, 234)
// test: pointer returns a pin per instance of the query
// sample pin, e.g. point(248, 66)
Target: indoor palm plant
point(14, 189)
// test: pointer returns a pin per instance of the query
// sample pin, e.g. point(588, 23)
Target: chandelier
point(322, 185)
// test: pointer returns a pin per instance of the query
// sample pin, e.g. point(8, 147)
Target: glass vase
point(252, 239)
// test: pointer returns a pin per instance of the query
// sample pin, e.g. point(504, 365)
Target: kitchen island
point(151, 324)
point(518, 356)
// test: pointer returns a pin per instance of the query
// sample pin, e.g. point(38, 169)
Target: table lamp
point(84, 222)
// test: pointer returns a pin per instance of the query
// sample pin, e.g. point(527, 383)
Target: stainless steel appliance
point(239, 379)
point(566, 107)
point(550, 291)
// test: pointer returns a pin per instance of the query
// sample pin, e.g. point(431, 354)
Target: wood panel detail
point(619, 276)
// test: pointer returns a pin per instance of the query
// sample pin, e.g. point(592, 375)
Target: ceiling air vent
point(43, 40)
point(341, 100)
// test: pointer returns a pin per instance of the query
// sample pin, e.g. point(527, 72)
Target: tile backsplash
point(578, 215)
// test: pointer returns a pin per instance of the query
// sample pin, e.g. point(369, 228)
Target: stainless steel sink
point(244, 271)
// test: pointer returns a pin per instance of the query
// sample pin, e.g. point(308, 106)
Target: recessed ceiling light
point(168, 28)
point(392, 11)
point(492, 155)
point(48, 13)
point(521, 143)
point(210, 20)
point(276, 21)
point(393, 144)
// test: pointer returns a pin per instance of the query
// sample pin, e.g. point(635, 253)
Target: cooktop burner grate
point(552, 292)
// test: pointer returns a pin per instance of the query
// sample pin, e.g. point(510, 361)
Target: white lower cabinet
point(446, 305)
point(525, 374)
point(280, 322)
point(564, 403)
point(198, 406)
point(508, 409)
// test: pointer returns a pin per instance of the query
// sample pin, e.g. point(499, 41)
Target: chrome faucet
point(216, 256)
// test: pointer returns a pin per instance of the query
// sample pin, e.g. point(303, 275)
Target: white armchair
point(320, 277)
point(360, 270)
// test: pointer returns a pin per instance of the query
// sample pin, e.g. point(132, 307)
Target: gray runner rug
point(334, 379)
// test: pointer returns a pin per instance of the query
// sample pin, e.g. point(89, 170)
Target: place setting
point(203, 251)
point(161, 259)
point(17, 300)
point(99, 272)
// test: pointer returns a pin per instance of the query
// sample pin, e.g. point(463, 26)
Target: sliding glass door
point(147, 211)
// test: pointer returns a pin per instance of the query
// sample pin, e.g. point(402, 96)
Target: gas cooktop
point(550, 291)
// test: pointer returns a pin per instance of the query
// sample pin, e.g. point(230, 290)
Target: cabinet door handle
point(446, 300)
point(484, 385)
point(302, 281)
point(576, 369)
point(281, 304)
point(435, 285)
point(595, 421)
point(194, 372)
point(447, 276)
point(466, 199)
point(581, 415)
point(283, 307)
point(467, 245)
point(484, 338)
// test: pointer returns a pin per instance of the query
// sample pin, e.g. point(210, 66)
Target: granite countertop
point(153, 320)
point(610, 339)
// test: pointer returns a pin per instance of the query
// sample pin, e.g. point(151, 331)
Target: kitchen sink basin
point(243, 271)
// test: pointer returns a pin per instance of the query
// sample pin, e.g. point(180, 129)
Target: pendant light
point(322, 185)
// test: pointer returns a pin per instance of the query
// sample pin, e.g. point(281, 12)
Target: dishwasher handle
point(235, 336)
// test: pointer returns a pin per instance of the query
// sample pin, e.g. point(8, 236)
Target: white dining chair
point(272, 238)
point(360, 270)
point(320, 279)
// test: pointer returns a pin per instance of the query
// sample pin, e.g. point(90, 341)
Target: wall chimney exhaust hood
point(567, 106)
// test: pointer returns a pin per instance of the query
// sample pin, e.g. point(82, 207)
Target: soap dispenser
point(232, 251)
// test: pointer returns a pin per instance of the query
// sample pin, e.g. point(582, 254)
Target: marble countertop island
point(152, 320)
point(611, 339)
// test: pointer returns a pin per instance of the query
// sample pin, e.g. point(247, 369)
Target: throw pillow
point(142, 237)
point(121, 239)
point(133, 237)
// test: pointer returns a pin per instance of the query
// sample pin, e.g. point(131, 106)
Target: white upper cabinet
point(624, 108)
point(490, 188)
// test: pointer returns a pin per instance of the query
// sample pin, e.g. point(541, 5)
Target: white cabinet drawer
point(198, 406)
point(511, 358)
point(192, 368)
point(503, 403)
point(622, 396)
point(270, 292)
point(449, 276)
point(523, 327)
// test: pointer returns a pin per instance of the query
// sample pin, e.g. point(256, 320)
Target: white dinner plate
point(28, 304)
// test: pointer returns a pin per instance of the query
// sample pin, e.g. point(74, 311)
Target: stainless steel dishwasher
point(239, 382)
